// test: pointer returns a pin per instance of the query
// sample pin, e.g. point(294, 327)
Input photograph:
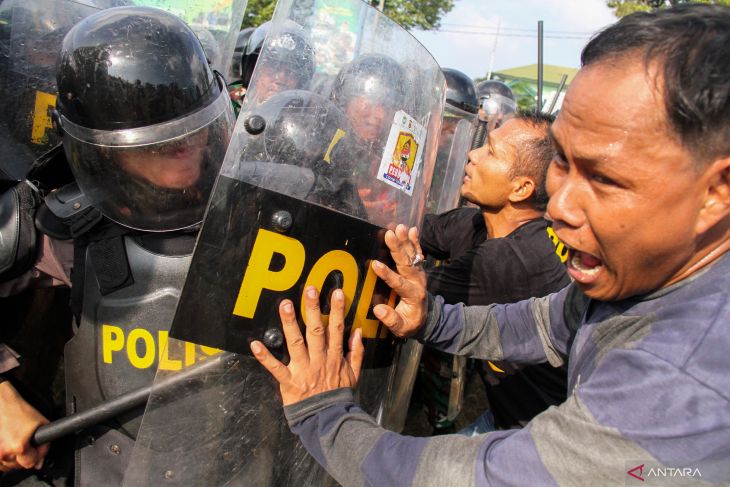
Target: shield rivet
point(273, 338)
point(115, 449)
point(255, 124)
point(281, 221)
point(169, 474)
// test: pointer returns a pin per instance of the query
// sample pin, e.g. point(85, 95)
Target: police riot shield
point(448, 195)
point(313, 177)
point(215, 22)
point(31, 32)
point(30, 37)
point(457, 130)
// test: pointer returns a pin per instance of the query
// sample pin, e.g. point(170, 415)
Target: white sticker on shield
point(403, 153)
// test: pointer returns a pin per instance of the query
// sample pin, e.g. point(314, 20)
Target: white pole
point(494, 49)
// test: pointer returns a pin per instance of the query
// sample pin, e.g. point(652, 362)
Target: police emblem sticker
point(402, 155)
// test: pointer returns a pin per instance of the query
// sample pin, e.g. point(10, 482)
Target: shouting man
point(640, 192)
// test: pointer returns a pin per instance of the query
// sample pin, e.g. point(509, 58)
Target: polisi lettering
point(259, 276)
point(143, 349)
point(41, 118)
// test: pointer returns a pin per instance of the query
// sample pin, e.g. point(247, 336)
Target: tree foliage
point(416, 14)
point(258, 12)
point(411, 14)
point(621, 8)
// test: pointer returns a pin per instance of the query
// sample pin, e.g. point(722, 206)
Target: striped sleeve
point(531, 331)
point(591, 439)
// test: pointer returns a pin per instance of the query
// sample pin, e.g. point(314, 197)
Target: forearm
point(356, 451)
point(516, 332)
point(565, 445)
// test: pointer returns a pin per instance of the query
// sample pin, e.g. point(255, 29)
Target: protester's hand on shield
point(18, 422)
point(409, 283)
point(318, 365)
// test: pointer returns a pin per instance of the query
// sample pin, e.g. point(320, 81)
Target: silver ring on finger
point(417, 260)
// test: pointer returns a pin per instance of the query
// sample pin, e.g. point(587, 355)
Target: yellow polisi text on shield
point(259, 277)
point(143, 348)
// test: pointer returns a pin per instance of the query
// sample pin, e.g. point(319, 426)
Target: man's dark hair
point(534, 156)
point(691, 43)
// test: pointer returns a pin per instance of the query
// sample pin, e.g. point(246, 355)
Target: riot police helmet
point(496, 98)
point(145, 121)
point(460, 91)
point(299, 128)
point(210, 45)
point(236, 72)
point(370, 90)
point(288, 61)
point(306, 130)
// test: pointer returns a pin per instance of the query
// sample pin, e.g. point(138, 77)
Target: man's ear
point(522, 189)
point(716, 203)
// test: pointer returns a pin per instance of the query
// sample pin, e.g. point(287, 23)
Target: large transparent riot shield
point(457, 131)
point(31, 32)
point(453, 176)
point(312, 179)
point(215, 22)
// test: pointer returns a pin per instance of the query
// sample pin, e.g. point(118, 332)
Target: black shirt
point(500, 270)
point(482, 271)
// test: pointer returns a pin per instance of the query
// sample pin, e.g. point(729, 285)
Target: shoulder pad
point(17, 231)
point(67, 213)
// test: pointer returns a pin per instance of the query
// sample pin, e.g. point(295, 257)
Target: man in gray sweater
point(640, 192)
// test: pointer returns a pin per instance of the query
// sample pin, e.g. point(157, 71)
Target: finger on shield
point(336, 325)
point(397, 281)
point(413, 236)
point(294, 340)
point(272, 364)
point(390, 318)
point(313, 321)
point(402, 249)
point(357, 352)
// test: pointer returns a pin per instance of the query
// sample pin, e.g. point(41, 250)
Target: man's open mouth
point(584, 267)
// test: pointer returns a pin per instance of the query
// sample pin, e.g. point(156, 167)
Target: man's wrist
point(298, 412)
point(433, 315)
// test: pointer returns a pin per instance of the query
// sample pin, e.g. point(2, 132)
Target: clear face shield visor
point(496, 109)
point(495, 104)
point(155, 178)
